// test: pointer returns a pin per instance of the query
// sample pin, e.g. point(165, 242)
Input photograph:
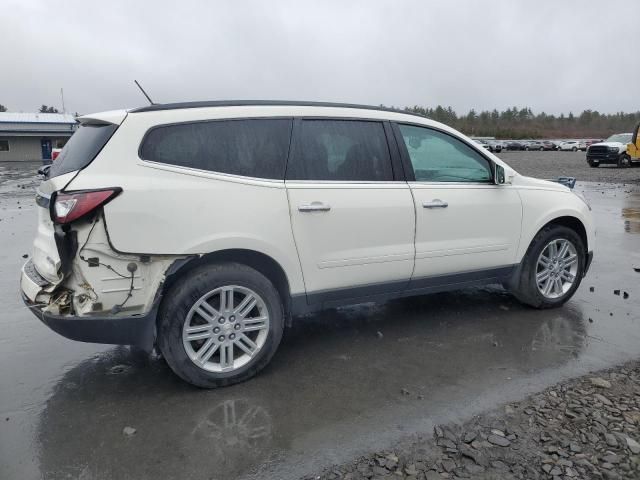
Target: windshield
point(82, 148)
point(620, 137)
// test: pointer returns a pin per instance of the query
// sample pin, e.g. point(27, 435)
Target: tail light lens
point(71, 206)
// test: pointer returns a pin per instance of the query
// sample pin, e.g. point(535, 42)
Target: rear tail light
point(71, 206)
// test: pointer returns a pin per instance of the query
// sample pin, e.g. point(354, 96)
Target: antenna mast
point(64, 110)
point(144, 93)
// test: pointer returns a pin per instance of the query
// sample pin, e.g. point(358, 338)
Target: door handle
point(436, 203)
point(314, 207)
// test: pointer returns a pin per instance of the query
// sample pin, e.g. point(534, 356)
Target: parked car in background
point(534, 145)
point(494, 146)
point(216, 294)
point(612, 151)
point(482, 143)
point(515, 145)
point(582, 145)
point(570, 146)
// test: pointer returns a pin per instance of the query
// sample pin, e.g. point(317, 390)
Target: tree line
point(523, 123)
point(42, 109)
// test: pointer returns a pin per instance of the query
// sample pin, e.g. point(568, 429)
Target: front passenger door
point(464, 222)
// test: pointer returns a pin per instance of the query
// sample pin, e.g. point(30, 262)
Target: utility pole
point(62, 96)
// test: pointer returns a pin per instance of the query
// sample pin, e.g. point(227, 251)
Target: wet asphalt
point(343, 382)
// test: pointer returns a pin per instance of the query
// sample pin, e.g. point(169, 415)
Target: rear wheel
point(552, 268)
point(220, 325)
point(624, 161)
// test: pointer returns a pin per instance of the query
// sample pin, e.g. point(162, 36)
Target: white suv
point(204, 228)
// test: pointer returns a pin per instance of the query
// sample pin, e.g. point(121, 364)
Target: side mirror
point(498, 174)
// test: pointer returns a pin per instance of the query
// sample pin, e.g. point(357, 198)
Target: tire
point(574, 149)
point(593, 163)
point(541, 149)
point(624, 161)
point(204, 284)
point(527, 290)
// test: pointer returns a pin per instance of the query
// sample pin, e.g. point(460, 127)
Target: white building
point(32, 136)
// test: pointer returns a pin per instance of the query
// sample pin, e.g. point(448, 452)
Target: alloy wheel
point(225, 328)
point(556, 268)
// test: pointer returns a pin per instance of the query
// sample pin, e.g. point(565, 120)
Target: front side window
point(4, 145)
point(340, 150)
point(438, 157)
point(251, 148)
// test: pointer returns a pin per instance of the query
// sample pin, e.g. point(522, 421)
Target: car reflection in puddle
point(234, 425)
point(631, 218)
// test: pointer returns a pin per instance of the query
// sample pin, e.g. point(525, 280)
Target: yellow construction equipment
point(633, 148)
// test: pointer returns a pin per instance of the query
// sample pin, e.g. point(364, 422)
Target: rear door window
point(251, 148)
point(83, 146)
point(340, 150)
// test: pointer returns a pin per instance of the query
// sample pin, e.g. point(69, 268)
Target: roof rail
point(242, 103)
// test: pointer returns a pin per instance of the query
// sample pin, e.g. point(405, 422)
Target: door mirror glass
point(499, 176)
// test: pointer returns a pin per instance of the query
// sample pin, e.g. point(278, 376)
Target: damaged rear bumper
point(138, 330)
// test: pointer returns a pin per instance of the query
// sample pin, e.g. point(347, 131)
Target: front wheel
point(594, 164)
point(552, 268)
point(624, 161)
point(574, 149)
point(220, 325)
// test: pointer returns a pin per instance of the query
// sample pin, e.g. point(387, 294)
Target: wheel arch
point(564, 219)
point(568, 221)
point(575, 224)
point(259, 261)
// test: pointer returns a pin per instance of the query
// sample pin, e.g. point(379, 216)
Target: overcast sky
point(555, 55)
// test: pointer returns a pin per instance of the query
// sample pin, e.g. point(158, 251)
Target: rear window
point(82, 148)
point(250, 148)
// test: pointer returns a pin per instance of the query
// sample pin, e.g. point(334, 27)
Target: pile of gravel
point(582, 429)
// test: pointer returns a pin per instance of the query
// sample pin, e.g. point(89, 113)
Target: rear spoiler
point(566, 181)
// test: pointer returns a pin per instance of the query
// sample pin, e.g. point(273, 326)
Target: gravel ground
point(573, 164)
point(581, 429)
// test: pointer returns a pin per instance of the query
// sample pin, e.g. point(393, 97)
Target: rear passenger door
point(352, 218)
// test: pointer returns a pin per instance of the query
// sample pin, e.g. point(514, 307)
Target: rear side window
point(251, 148)
point(340, 150)
point(82, 148)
